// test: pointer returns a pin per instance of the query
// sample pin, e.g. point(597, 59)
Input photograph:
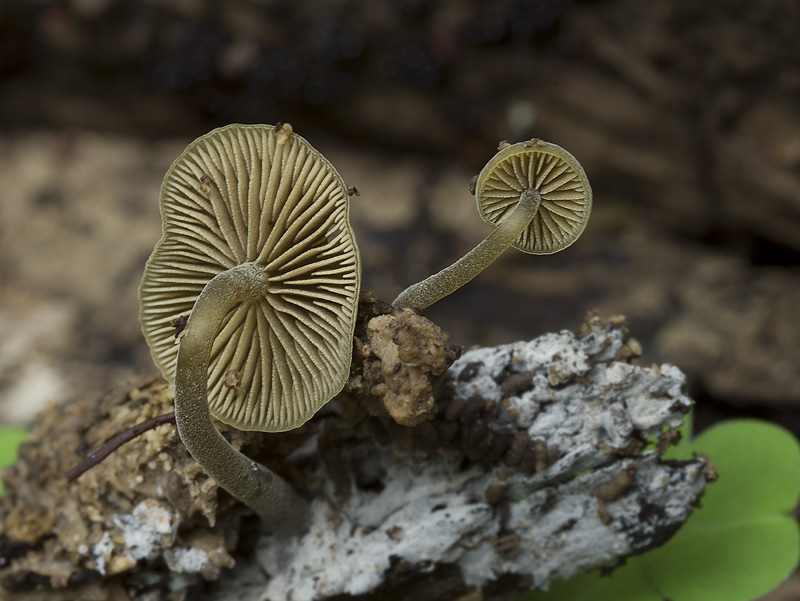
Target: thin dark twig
point(116, 442)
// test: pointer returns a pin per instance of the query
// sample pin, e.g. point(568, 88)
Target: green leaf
point(10, 439)
point(740, 545)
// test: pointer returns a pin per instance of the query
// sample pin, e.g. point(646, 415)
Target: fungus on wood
point(537, 197)
point(258, 252)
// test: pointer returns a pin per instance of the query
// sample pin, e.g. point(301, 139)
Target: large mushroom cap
point(258, 194)
point(556, 175)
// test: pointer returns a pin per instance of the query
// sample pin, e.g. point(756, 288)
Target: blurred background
point(685, 115)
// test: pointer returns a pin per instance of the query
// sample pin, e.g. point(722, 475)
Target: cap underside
point(249, 193)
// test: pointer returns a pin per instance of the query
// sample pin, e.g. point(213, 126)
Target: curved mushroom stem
point(450, 279)
point(269, 495)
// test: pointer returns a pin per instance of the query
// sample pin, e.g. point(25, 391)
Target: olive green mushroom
point(536, 196)
point(257, 251)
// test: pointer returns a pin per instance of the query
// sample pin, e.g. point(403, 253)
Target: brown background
point(685, 115)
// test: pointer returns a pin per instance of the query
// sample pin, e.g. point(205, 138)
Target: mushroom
point(537, 197)
point(258, 252)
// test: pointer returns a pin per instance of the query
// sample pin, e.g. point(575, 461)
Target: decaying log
point(528, 467)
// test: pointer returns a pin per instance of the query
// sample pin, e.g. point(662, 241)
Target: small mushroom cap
point(258, 194)
point(556, 175)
